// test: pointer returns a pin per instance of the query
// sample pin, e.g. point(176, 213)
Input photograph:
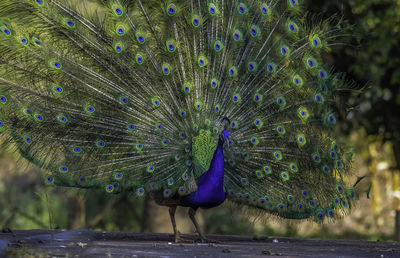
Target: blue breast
point(210, 192)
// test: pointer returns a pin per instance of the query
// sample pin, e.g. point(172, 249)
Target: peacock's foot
point(206, 240)
point(183, 240)
point(179, 239)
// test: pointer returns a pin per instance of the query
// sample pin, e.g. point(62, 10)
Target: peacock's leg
point(172, 211)
point(178, 238)
point(202, 238)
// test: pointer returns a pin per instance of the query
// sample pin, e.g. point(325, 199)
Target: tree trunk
point(396, 188)
point(145, 224)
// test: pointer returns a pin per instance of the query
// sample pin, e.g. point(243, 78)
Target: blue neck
point(210, 191)
point(216, 170)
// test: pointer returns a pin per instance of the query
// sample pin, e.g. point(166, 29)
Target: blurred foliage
point(375, 62)
point(372, 60)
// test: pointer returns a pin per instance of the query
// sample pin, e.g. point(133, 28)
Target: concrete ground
point(85, 243)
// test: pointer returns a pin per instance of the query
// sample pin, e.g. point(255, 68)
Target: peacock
point(190, 102)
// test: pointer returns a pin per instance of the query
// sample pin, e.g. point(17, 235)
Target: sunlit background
point(371, 124)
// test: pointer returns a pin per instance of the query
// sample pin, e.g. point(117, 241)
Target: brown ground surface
point(84, 243)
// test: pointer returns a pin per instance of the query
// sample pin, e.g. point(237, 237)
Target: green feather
point(131, 95)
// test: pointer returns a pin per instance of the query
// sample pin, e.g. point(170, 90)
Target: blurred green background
point(372, 127)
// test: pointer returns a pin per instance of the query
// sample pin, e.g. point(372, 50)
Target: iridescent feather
point(132, 95)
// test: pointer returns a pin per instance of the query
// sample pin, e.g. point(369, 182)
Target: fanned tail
point(131, 95)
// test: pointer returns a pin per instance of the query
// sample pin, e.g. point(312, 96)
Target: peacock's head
point(225, 136)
